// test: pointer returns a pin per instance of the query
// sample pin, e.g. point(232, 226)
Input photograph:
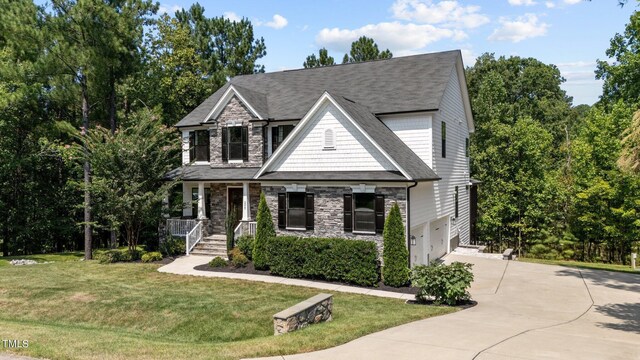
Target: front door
point(234, 204)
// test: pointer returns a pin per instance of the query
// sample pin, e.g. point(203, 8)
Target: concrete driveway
point(524, 311)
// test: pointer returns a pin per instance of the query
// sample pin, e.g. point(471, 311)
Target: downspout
point(415, 183)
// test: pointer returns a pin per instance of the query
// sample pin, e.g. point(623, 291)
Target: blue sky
point(571, 34)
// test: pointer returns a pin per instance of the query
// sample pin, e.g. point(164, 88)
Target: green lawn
point(583, 265)
point(84, 310)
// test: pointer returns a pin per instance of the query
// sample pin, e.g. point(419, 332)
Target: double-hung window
point(363, 212)
point(199, 145)
point(295, 211)
point(235, 143)
point(278, 134)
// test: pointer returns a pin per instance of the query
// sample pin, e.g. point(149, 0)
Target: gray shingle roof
point(403, 84)
point(206, 172)
point(387, 140)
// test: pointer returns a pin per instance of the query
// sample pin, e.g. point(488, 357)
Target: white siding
point(454, 169)
point(185, 147)
point(353, 152)
point(415, 131)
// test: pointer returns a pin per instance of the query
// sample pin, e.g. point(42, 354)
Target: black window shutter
point(245, 143)
point(192, 146)
point(348, 212)
point(309, 211)
point(379, 213)
point(225, 151)
point(282, 210)
point(265, 143)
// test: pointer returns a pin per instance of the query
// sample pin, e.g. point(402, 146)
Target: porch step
point(213, 245)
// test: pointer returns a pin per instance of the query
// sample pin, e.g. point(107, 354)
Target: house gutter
point(415, 183)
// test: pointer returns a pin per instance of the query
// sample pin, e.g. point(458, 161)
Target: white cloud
point(572, 2)
point(446, 13)
point(550, 4)
point(522, 2)
point(468, 56)
point(304, 28)
point(232, 16)
point(401, 39)
point(278, 22)
point(169, 9)
point(523, 27)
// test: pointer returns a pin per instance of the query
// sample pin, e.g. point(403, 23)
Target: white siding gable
point(415, 131)
point(353, 152)
point(454, 169)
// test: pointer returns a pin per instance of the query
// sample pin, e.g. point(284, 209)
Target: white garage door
point(438, 238)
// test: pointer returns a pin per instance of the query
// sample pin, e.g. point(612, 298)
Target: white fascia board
point(465, 94)
point(226, 97)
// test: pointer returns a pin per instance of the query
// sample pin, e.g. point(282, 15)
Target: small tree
point(264, 232)
point(128, 172)
point(395, 271)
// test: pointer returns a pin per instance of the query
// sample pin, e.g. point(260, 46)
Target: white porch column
point(201, 212)
point(245, 201)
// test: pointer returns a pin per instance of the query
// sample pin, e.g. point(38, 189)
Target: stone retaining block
point(311, 311)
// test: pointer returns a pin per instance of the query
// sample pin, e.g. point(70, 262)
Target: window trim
point(354, 209)
point(280, 129)
point(226, 144)
point(308, 209)
point(193, 140)
point(304, 206)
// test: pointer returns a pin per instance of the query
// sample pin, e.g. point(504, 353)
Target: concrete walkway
point(524, 311)
point(185, 266)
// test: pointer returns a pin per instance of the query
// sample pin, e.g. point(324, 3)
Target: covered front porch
point(212, 203)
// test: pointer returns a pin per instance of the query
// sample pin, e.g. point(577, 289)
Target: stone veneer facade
point(215, 225)
point(236, 114)
point(329, 213)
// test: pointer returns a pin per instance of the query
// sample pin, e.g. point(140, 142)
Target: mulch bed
point(461, 305)
point(250, 269)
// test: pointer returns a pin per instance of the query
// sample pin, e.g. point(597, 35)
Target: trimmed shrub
point(333, 259)
point(245, 244)
point(173, 246)
point(229, 228)
point(239, 260)
point(395, 271)
point(444, 283)
point(234, 252)
point(264, 232)
point(109, 256)
point(217, 262)
point(151, 256)
point(132, 255)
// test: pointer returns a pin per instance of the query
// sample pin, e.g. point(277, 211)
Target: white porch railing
point(180, 227)
point(193, 237)
point(245, 228)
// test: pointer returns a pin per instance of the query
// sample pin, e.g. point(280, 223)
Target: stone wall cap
point(301, 306)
